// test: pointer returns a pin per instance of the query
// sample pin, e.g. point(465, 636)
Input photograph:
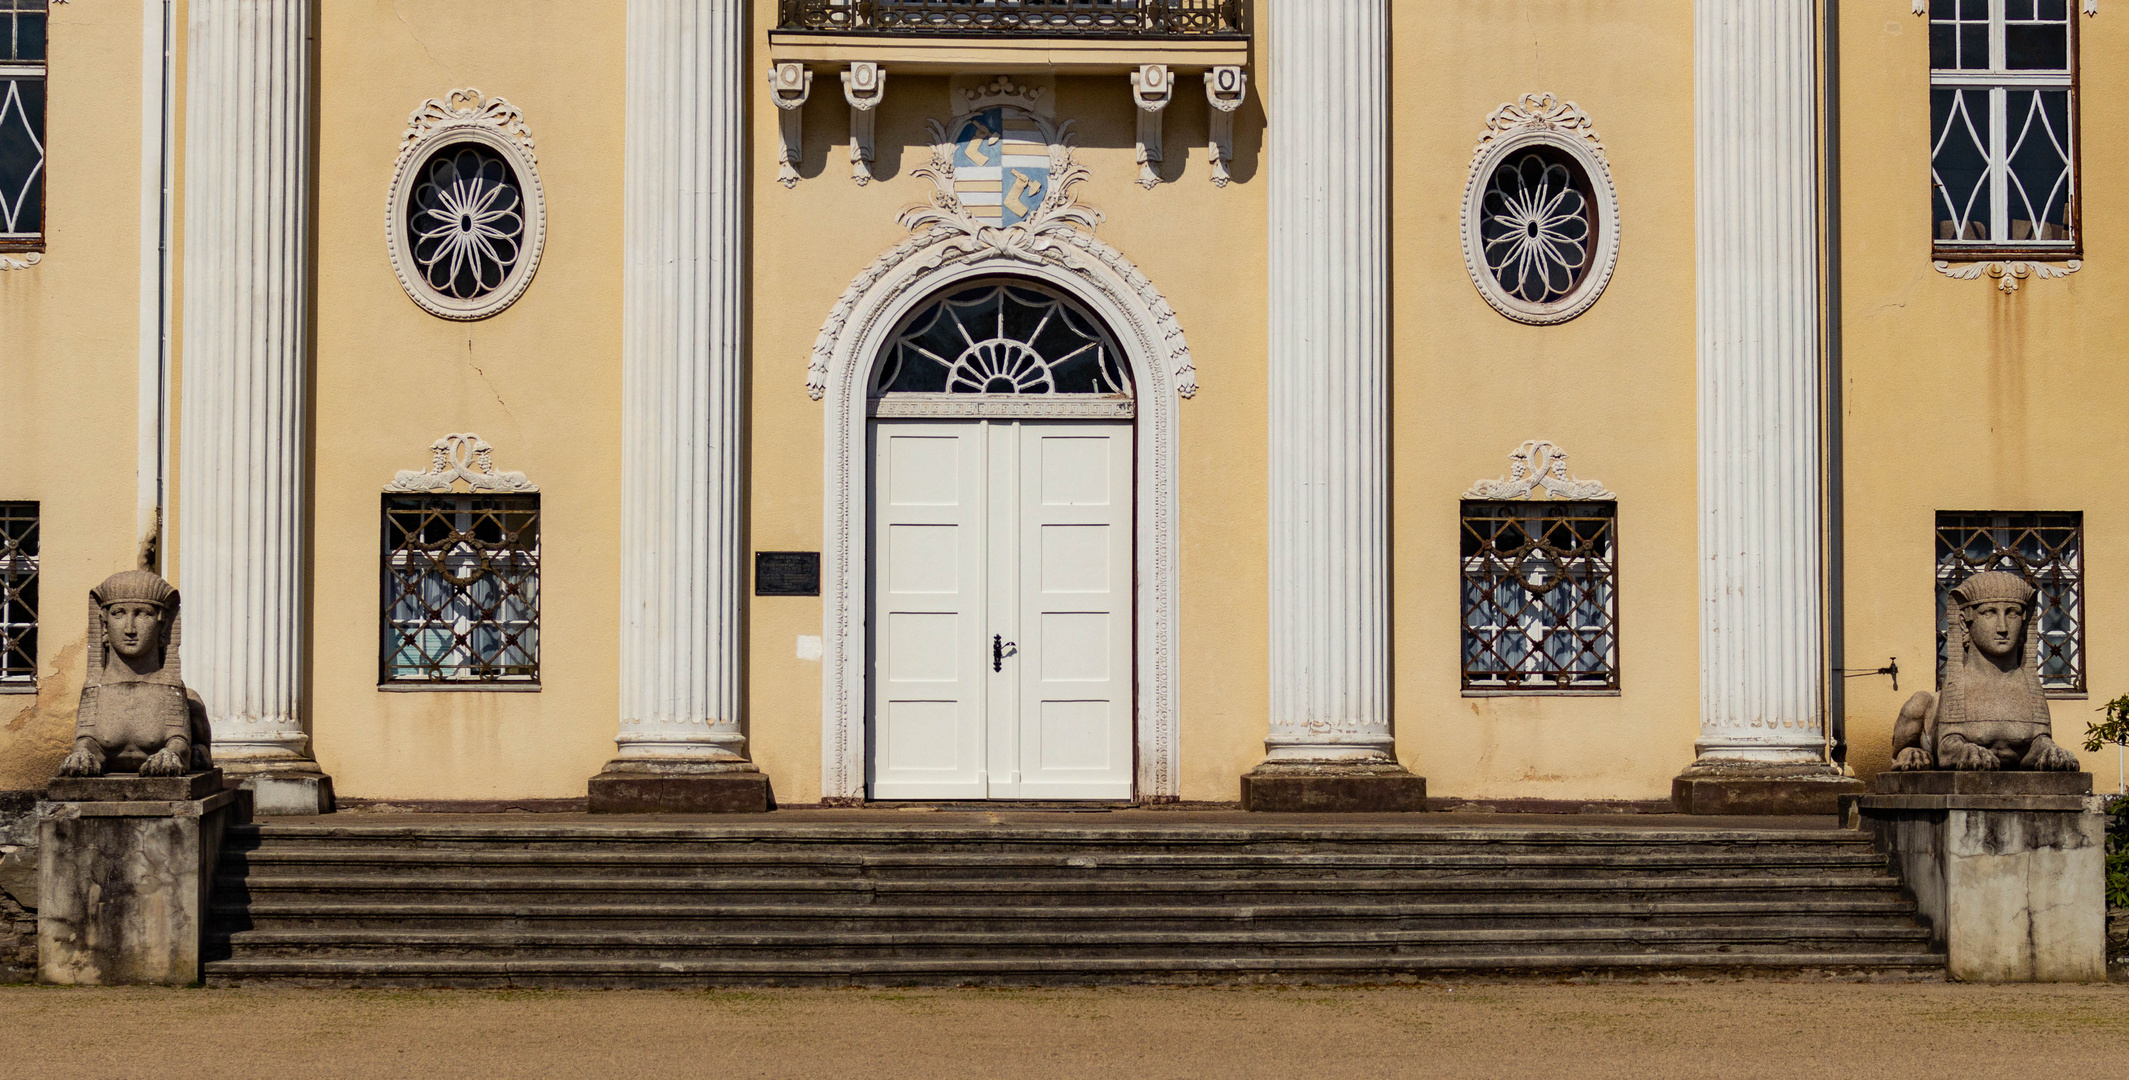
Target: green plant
point(2114, 729)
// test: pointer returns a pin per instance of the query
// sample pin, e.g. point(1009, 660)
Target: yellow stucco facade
point(1952, 394)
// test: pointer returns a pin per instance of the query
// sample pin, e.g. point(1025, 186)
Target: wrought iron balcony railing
point(1031, 18)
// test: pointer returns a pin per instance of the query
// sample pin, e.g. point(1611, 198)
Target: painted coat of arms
point(1001, 163)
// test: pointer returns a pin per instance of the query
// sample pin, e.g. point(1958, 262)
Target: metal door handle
point(1000, 649)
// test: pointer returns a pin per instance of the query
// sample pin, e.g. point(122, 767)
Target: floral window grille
point(1537, 225)
point(466, 224)
point(1540, 596)
point(18, 594)
point(2047, 550)
point(22, 84)
point(1003, 338)
point(461, 588)
point(2003, 126)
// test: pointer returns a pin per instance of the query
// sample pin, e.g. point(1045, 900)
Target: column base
point(291, 789)
point(1320, 787)
point(631, 787)
point(1727, 787)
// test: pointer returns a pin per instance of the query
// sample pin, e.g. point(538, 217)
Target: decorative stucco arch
point(1055, 245)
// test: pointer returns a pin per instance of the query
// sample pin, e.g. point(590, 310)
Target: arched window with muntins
point(1002, 338)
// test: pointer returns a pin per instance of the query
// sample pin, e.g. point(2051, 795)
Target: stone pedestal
point(124, 870)
point(631, 788)
point(2008, 867)
point(1719, 787)
point(1333, 787)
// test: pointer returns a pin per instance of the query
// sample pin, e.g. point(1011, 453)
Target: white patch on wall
point(465, 217)
point(1541, 216)
point(809, 648)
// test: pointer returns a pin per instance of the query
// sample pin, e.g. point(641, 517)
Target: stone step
point(1021, 971)
point(441, 945)
point(1885, 910)
point(305, 860)
point(1403, 838)
point(1051, 891)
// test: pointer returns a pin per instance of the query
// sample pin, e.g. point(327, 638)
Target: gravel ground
point(1736, 1030)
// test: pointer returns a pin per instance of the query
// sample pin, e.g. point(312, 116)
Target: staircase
point(605, 904)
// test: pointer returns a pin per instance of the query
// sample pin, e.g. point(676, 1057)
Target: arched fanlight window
point(1002, 337)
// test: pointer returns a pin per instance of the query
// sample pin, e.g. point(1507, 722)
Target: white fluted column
point(682, 379)
point(1762, 655)
point(241, 461)
point(1329, 357)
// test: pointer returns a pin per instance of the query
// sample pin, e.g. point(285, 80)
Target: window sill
point(2067, 695)
point(1540, 693)
point(18, 688)
point(458, 688)
point(2007, 253)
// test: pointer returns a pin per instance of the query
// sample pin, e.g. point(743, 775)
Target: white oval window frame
point(1542, 120)
point(464, 116)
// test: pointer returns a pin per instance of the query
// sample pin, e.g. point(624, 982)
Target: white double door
point(1000, 626)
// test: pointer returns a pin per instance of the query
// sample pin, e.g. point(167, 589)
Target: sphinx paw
point(1960, 754)
point(82, 763)
point(1912, 759)
point(164, 762)
point(2046, 755)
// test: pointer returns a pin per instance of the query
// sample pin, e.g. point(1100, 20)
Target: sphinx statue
point(136, 715)
point(1991, 712)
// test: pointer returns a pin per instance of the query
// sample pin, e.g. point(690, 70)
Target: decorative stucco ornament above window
point(464, 457)
point(466, 218)
point(1539, 465)
point(1003, 176)
point(1541, 217)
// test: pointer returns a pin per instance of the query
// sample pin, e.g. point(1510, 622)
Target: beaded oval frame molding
point(1542, 121)
point(460, 118)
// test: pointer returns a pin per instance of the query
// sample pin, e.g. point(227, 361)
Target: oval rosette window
point(1541, 227)
point(467, 218)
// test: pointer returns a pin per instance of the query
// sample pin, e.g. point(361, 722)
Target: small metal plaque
point(787, 573)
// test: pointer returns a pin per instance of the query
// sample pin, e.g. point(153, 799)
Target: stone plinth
point(1715, 788)
point(1332, 788)
point(740, 789)
point(2008, 867)
point(124, 876)
point(286, 791)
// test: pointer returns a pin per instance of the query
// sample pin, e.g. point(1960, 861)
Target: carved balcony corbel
point(1152, 88)
point(864, 86)
point(789, 85)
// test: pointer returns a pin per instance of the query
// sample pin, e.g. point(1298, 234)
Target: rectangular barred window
point(22, 71)
point(1540, 596)
point(461, 589)
point(2048, 551)
point(2003, 126)
point(18, 595)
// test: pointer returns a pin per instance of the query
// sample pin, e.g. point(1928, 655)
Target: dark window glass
point(1012, 337)
point(2047, 550)
point(22, 30)
point(1540, 596)
point(18, 592)
point(461, 588)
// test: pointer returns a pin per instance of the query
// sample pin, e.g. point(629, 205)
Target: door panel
point(1075, 590)
point(927, 634)
point(1001, 618)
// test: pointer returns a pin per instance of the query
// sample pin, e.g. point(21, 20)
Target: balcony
point(1033, 18)
point(1068, 36)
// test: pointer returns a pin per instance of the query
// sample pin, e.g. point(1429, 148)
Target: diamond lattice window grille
point(2003, 127)
point(18, 593)
point(22, 151)
point(1540, 596)
point(461, 589)
point(2047, 550)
